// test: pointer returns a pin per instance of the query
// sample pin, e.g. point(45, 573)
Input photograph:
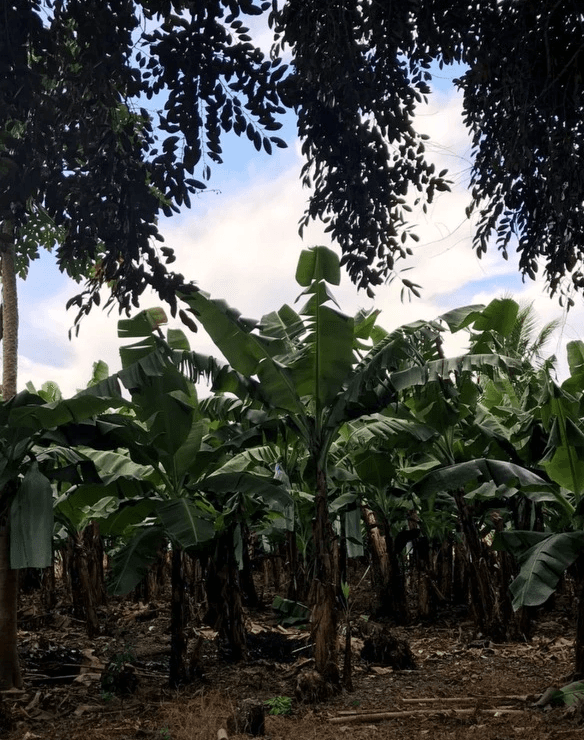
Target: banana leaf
point(130, 564)
point(542, 566)
point(457, 476)
point(185, 522)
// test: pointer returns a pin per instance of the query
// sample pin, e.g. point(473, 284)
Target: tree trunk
point(246, 574)
point(49, 588)
point(425, 594)
point(10, 675)
point(297, 575)
point(178, 673)
point(579, 639)
point(381, 564)
point(444, 568)
point(90, 594)
point(485, 597)
point(225, 612)
point(459, 575)
point(95, 554)
point(9, 317)
point(324, 612)
point(378, 547)
point(387, 570)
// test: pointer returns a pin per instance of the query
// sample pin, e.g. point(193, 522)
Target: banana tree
point(544, 556)
point(175, 478)
point(316, 369)
point(35, 444)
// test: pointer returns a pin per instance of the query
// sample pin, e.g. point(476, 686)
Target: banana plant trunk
point(388, 574)
point(87, 591)
point(579, 639)
point(324, 610)
point(178, 672)
point(225, 606)
point(485, 596)
point(10, 675)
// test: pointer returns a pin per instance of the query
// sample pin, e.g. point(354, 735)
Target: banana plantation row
point(325, 438)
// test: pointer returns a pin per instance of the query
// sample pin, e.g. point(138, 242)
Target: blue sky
point(239, 242)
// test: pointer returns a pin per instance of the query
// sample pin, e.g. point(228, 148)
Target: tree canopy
point(87, 164)
point(361, 67)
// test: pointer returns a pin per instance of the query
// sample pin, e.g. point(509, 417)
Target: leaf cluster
point(86, 166)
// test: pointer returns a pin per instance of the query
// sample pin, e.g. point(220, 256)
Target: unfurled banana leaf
point(291, 613)
point(459, 318)
point(567, 696)
point(454, 477)
point(127, 515)
point(130, 564)
point(268, 489)
point(440, 369)
point(113, 466)
point(248, 353)
point(322, 368)
point(186, 522)
point(59, 413)
point(374, 428)
point(354, 533)
point(542, 566)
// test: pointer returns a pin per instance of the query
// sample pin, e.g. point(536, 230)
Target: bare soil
point(463, 685)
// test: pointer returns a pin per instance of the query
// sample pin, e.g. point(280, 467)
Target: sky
point(240, 242)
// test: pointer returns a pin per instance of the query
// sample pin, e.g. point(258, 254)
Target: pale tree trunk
point(378, 545)
point(9, 320)
point(10, 675)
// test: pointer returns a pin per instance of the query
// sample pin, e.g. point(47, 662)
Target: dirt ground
point(463, 686)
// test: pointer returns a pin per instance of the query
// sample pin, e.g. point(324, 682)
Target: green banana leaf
point(387, 430)
point(354, 533)
point(185, 521)
point(460, 318)
point(291, 613)
point(542, 565)
point(48, 416)
point(457, 476)
point(115, 465)
point(248, 354)
point(318, 263)
point(128, 514)
point(130, 564)
point(268, 489)
point(440, 369)
point(518, 541)
point(569, 695)
point(327, 360)
point(566, 468)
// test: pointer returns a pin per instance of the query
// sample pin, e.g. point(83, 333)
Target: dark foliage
point(355, 93)
point(361, 67)
point(84, 164)
point(524, 103)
